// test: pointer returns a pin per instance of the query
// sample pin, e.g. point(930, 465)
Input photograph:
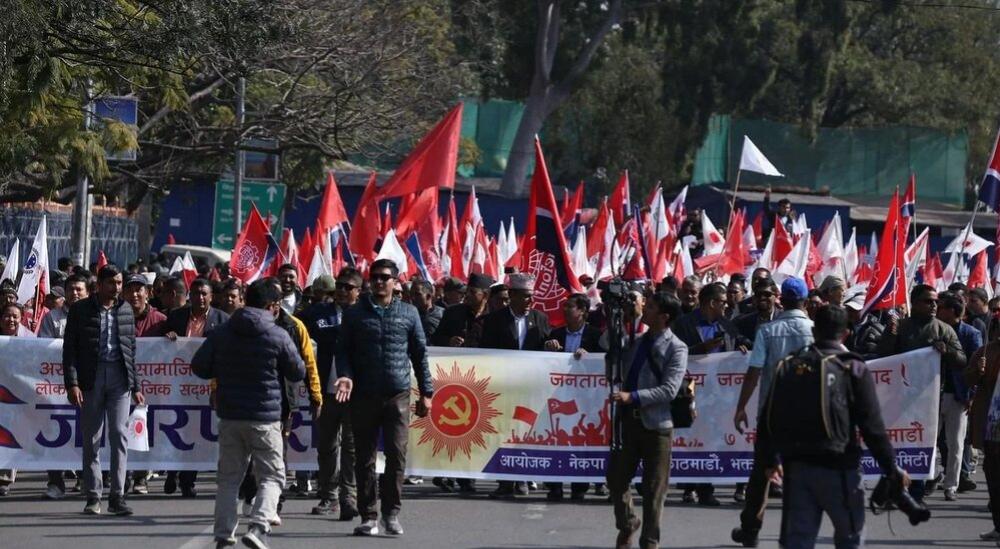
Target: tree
point(548, 91)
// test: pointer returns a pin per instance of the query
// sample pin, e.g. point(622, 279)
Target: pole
point(241, 88)
point(81, 228)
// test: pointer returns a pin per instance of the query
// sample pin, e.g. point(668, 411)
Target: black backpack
point(808, 409)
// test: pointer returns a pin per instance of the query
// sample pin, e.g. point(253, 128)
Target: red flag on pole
point(102, 260)
point(255, 249)
point(567, 408)
point(887, 288)
point(367, 222)
point(545, 248)
point(331, 209)
point(432, 163)
point(620, 201)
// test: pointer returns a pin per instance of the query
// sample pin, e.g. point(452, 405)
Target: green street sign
point(268, 196)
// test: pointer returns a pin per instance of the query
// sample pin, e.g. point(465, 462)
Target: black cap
point(452, 284)
point(136, 279)
point(480, 281)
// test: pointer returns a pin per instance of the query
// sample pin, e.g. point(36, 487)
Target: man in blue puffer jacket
point(380, 337)
point(248, 356)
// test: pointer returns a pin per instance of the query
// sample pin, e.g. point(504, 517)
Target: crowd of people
point(357, 340)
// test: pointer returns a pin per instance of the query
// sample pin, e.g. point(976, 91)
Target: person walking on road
point(379, 339)
point(99, 374)
point(248, 357)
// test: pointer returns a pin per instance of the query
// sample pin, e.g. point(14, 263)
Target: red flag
point(595, 238)
point(557, 406)
point(979, 277)
point(170, 239)
point(888, 285)
point(290, 253)
point(331, 209)
point(102, 260)
point(255, 249)
point(573, 206)
point(454, 242)
point(933, 270)
point(525, 415)
point(758, 228)
point(420, 211)
point(782, 242)
point(306, 246)
point(386, 219)
point(214, 275)
point(432, 163)
point(621, 201)
point(734, 256)
point(366, 224)
point(545, 250)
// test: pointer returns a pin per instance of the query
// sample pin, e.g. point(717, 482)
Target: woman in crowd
point(10, 325)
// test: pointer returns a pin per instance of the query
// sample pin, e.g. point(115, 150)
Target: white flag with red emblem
point(713, 239)
point(968, 243)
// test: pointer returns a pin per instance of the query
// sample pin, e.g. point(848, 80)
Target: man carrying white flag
point(752, 160)
point(35, 276)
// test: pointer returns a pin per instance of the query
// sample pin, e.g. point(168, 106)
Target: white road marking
point(534, 511)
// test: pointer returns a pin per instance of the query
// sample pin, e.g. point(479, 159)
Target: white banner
point(495, 415)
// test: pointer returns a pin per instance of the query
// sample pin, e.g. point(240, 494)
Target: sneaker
point(301, 489)
point(932, 485)
point(992, 535)
point(93, 507)
point(688, 496)
point(54, 492)
point(600, 490)
point(966, 484)
point(392, 526)
point(709, 501)
point(367, 528)
point(949, 494)
point(502, 492)
point(117, 506)
point(4, 491)
point(348, 512)
point(224, 544)
point(446, 485)
point(747, 538)
point(521, 488)
point(532, 485)
point(740, 495)
point(256, 537)
point(413, 481)
point(140, 487)
point(325, 507)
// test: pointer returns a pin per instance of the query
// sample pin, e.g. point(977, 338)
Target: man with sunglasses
point(923, 329)
point(338, 492)
point(380, 337)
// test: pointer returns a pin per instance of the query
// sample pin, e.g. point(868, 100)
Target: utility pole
point(241, 88)
point(81, 219)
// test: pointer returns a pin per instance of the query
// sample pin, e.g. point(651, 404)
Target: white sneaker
point(54, 492)
point(992, 535)
point(950, 494)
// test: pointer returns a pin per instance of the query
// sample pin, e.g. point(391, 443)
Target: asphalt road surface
point(432, 519)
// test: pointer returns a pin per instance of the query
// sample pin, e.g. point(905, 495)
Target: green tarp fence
point(849, 161)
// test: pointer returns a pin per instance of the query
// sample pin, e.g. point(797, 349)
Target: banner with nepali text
point(503, 415)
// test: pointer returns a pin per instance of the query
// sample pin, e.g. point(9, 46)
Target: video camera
point(616, 291)
point(890, 491)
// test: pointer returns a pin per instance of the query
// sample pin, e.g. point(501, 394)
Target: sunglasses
point(346, 287)
point(381, 277)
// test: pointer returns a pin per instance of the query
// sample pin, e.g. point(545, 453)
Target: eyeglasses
point(381, 277)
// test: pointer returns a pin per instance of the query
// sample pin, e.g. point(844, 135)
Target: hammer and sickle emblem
point(462, 415)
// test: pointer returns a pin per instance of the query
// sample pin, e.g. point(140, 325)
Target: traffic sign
point(268, 196)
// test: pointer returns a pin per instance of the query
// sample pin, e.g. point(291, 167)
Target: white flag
point(851, 257)
point(392, 250)
point(319, 265)
point(713, 240)
point(831, 250)
point(800, 225)
point(968, 243)
point(915, 256)
point(752, 160)
point(766, 259)
point(795, 264)
point(36, 267)
point(581, 266)
point(13, 262)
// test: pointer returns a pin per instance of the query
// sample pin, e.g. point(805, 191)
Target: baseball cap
point(136, 279)
point(452, 284)
point(58, 291)
point(832, 282)
point(794, 288)
point(324, 283)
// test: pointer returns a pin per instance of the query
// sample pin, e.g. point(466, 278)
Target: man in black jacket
point(379, 339)
point(249, 357)
point(516, 327)
point(99, 373)
point(818, 479)
point(461, 324)
point(197, 319)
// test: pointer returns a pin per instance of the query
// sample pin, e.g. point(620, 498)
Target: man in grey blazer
point(654, 368)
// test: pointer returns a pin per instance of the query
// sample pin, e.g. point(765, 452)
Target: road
point(436, 520)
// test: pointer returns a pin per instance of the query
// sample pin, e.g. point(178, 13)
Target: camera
point(616, 291)
point(890, 491)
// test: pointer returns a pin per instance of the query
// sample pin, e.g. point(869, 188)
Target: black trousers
point(335, 453)
point(752, 516)
point(991, 468)
point(391, 414)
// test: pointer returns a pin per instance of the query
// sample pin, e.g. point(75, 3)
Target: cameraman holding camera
point(820, 457)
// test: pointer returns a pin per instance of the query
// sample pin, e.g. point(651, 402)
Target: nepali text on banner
point(495, 415)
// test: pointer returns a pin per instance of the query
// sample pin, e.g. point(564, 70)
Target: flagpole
point(732, 202)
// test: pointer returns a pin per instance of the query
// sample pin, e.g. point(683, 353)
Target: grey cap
point(324, 283)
